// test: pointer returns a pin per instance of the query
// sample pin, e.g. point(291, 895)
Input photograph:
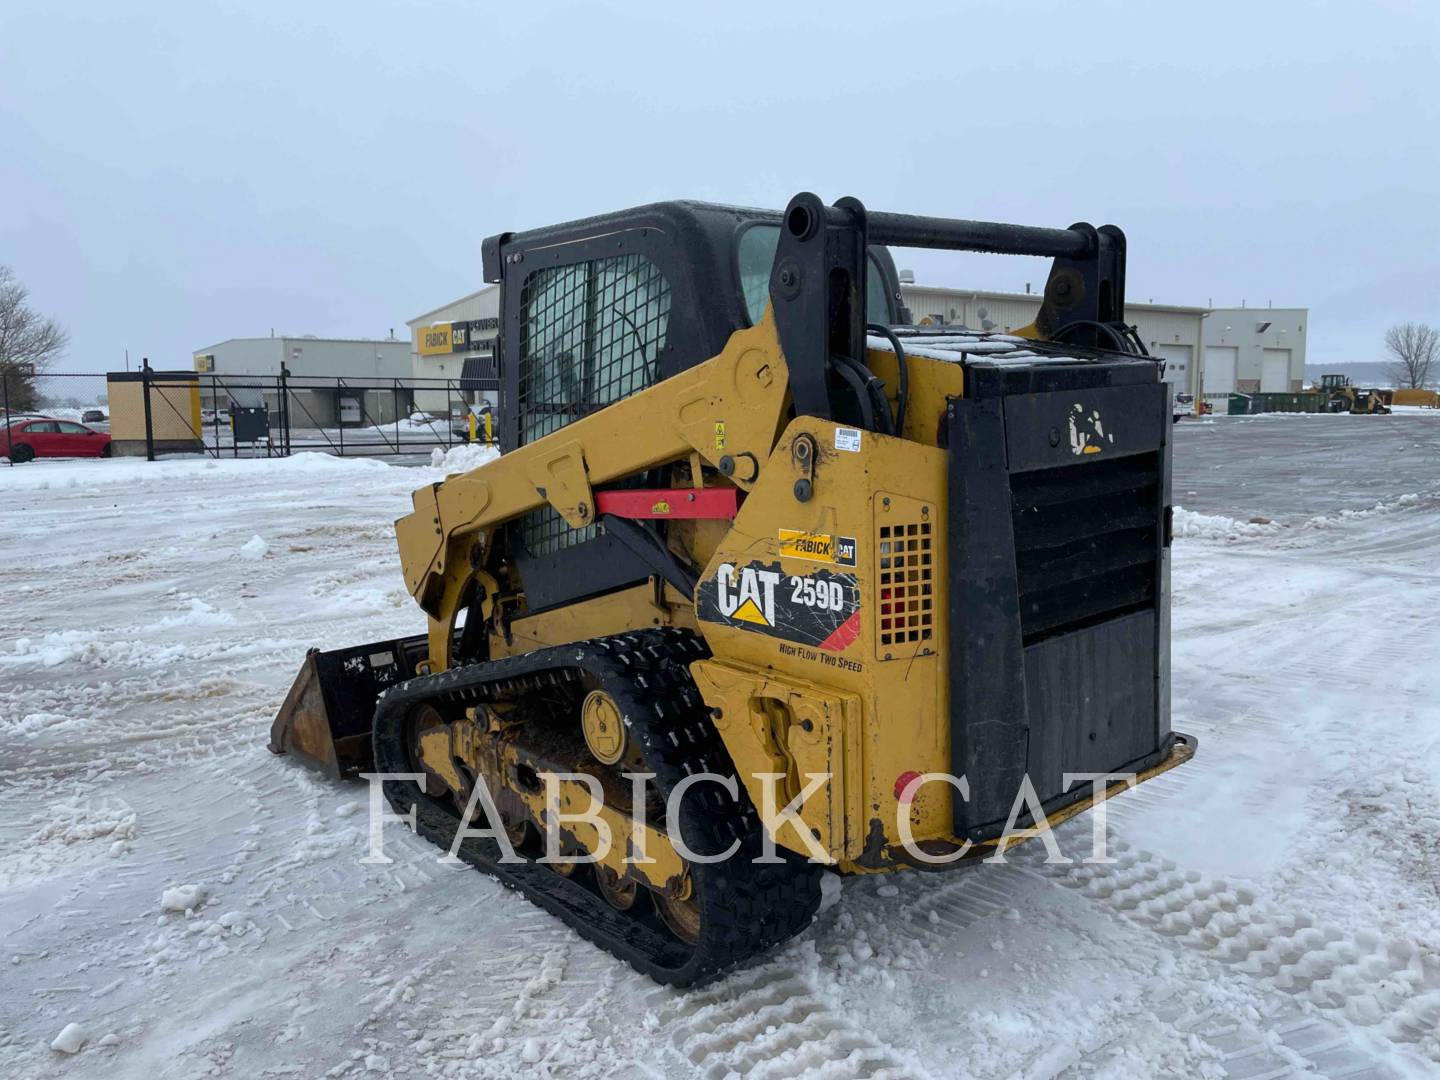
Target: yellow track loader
point(757, 543)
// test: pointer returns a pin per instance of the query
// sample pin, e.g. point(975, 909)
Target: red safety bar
point(669, 503)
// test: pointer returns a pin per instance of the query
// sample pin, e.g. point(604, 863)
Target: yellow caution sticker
point(720, 435)
point(817, 547)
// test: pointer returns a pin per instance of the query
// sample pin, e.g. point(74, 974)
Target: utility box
point(249, 423)
point(249, 418)
point(174, 424)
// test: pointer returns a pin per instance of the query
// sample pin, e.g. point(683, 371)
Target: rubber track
point(746, 908)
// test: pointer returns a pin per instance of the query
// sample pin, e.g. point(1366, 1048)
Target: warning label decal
point(820, 609)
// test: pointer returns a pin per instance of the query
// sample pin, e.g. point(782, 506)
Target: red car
point(32, 437)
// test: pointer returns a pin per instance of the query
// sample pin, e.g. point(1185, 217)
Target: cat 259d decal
point(821, 610)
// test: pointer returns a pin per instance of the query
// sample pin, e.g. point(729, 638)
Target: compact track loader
point(749, 522)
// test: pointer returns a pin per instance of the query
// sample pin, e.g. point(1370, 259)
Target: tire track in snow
point(1280, 1042)
point(774, 1023)
point(1389, 985)
point(769, 1023)
point(980, 892)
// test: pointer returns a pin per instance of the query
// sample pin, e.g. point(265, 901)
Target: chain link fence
point(152, 413)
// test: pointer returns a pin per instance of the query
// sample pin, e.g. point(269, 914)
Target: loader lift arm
point(743, 391)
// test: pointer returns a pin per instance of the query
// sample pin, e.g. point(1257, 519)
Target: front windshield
point(757, 256)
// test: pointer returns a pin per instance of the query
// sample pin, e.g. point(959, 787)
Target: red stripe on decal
point(844, 634)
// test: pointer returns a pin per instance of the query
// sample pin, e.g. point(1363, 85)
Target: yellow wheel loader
point(770, 582)
point(1344, 397)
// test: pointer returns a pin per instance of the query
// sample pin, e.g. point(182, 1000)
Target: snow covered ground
point(1275, 907)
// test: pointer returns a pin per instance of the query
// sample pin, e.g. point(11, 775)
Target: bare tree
point(1414, 350)
point(29, 341)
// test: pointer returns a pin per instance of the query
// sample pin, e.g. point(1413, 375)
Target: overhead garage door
point(1177, 364)
point(1220, 368)
point(1275, 371)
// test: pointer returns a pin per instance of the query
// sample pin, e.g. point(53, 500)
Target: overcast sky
point(172, 175)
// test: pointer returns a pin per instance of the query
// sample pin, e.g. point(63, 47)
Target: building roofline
point(1259, 311)
point(992, 294)
point(291, 337)
point(424, 315)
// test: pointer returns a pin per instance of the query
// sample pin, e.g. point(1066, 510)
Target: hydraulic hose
point(883, 421)
point(904, 395)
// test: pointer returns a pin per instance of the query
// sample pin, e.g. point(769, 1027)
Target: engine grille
point(907, 589)
point(1086, 543)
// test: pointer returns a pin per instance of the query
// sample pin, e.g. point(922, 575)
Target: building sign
point(454, 337)
point(433, 340)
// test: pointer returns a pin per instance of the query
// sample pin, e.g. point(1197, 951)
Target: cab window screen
point(757, 256)
point(591, 334)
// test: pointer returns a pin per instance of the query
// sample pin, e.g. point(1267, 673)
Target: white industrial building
point(344, 381)
point(1249, 350)
point(454, 345)
point(1209, 352)
point(1214, 351)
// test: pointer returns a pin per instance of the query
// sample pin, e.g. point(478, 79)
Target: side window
point(72, 429)
point(876, 309)
point(591, 334)
point(43, 427)
point(757, 256)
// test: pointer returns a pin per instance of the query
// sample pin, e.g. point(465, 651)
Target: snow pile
point(71, 1038)
point(31, 724)
point(1411, 501)
point(413, 422)
point(182, 898)
point(57, 647)
point(93, 474)
point(462, 458)
point(1190, 525)
point(254, 549)
point(198, 612)
point(74, 823)
point(134, 646)
point(64, 834)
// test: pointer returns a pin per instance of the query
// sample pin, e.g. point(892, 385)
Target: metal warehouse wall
point(351, 359)
point(1252, 350)
point(246, 356)
point(1007, 313)
point(1171, 333)
point(326, 357)
point(484, 304)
